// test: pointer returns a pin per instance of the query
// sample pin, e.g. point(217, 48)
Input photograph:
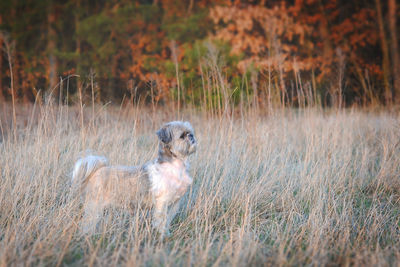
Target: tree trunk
point(385, 54)
point(1, 69)
point(394, 49)
point(78, 39)
point(325, 34)
point(51, 47)
point(190, 8)
point(16, 71)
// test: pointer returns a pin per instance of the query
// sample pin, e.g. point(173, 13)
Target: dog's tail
point(85, 167)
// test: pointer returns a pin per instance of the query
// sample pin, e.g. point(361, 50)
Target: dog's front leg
point(160, 215)
point(173, 210)
point(91, 216)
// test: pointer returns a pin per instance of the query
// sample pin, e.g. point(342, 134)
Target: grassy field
point(293, 187)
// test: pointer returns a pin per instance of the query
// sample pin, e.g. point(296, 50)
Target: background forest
point(299, 52)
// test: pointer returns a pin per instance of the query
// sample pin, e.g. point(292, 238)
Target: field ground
point(294, 187)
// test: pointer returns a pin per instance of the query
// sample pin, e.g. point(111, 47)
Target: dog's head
point(177, 138)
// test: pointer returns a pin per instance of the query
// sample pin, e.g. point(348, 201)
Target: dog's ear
point(164, 134)
point(188, 125)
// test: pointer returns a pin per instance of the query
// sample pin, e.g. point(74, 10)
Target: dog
point(159, 184)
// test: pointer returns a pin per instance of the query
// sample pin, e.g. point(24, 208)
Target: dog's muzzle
point(192, 139)
point(192, 143)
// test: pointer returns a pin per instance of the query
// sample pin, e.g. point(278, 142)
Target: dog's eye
point(183, 136)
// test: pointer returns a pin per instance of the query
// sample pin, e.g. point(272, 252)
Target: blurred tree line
point(332, 52)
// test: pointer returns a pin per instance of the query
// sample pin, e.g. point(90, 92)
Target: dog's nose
point(191, 138)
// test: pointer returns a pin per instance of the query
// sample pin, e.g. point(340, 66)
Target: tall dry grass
point(293, 187)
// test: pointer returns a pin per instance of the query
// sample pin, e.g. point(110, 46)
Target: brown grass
point(294, 187)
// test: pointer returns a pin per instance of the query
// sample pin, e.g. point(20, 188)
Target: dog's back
point(98, 180)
